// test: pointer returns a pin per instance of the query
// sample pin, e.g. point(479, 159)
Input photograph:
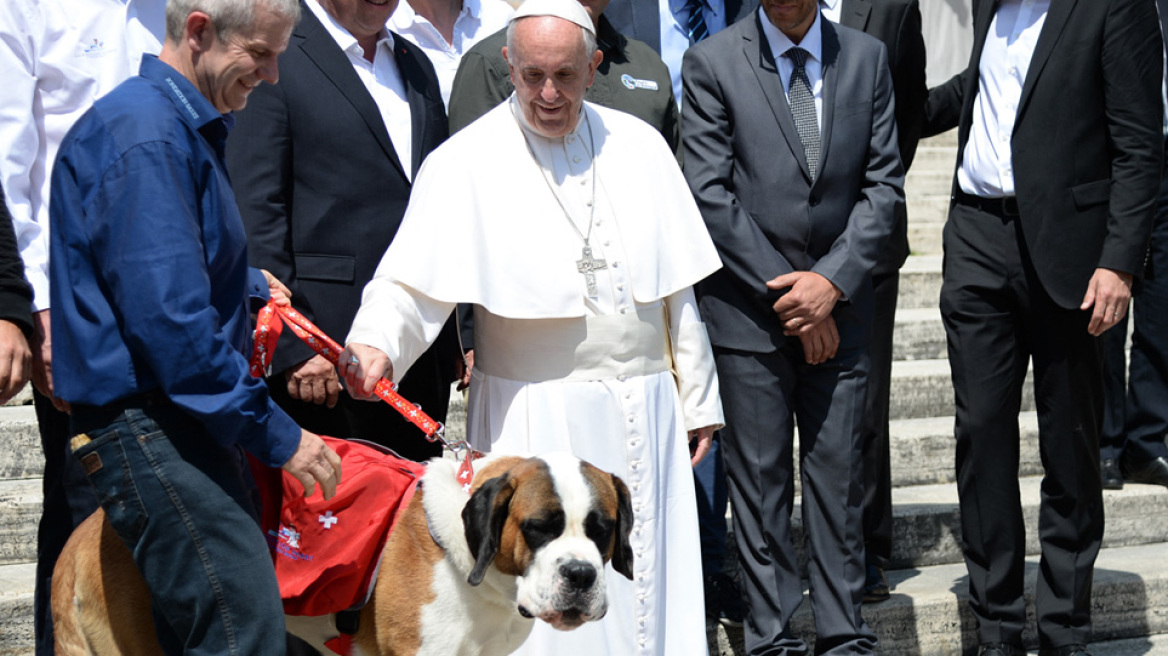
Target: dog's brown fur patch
point(100, 602)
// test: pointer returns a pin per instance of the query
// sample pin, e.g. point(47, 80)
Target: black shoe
point(875, 585)
point(723, 601)
point(1152, 472)
point(1109, 469)
point(1065, 650)
point(1000, 649)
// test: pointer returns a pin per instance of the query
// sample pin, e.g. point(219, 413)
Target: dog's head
point(552, 522)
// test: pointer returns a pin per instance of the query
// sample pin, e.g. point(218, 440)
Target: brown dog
point(459, 576)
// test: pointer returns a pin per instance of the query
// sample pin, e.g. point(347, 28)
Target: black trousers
point(1136, 415)
point(997, 319)
point(876, 455)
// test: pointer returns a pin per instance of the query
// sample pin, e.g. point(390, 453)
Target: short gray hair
point(589, 38)
point(228, 16)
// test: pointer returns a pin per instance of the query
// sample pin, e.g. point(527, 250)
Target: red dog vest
point(326, 553)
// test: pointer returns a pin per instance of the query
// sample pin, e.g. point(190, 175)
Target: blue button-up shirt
point(148, 264)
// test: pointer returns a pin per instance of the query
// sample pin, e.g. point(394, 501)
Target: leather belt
point(1006, 207)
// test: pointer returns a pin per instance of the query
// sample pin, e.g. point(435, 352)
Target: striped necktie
point(802, 103)
point(695, 20)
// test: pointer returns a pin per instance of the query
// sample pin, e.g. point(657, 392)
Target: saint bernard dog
point(461, 575)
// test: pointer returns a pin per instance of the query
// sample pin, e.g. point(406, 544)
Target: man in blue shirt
point(150, 285)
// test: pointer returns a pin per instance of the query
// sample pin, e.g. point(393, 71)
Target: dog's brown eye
point(538, 531)
point(599, 529)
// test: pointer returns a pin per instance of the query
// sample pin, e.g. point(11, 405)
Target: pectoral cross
point(588, 265)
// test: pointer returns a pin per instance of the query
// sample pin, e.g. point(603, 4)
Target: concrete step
point(920, 282)
point(918, 334)
point(923, 450)
point(924, 388)
point(928, 613)
point(16, 597)
point(20, 510)
point(21, 456)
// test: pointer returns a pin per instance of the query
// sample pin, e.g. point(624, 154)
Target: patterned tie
point(802, 103)
point(695, 20)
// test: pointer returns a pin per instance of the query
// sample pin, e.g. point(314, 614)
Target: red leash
point(267, 333)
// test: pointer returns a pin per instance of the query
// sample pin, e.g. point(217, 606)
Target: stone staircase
point(927, 613)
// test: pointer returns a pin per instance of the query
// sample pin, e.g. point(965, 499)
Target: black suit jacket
point(1087, 141)
point(897, 23)
point(744, 162)
point(641, 19)
point(319, 184)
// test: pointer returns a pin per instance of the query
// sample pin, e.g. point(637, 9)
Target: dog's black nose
point(579, 574)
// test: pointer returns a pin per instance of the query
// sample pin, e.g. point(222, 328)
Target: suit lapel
point(412, 78)
point(1052, 28)
point(760, 60)
point(830, 74)
point(320, 47)
point(855, 13)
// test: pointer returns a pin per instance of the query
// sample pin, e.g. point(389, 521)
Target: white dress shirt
point(383, 80)
point(477, 20)
point(56, 58)
point(675, 36)
point(987, 167)
point(813, 43)
point(831, 9)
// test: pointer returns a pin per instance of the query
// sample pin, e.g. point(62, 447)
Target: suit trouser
point(876, 454)
point(710, 486)
point(762, 395)
point(1136, 423)
point(68, 500)
point(997, 318)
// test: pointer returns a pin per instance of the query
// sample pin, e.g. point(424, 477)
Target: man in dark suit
point(897, 23)
point(322, 165)
point(1135, 411)
point(1059, 155)
point(790, 150)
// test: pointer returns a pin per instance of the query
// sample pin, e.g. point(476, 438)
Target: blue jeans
point(183, 504)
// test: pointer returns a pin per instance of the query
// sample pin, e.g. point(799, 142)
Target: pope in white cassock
point(578, 242)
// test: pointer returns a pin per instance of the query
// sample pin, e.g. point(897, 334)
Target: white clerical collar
point(342, 36)
point(780, 43)
point(517, 111)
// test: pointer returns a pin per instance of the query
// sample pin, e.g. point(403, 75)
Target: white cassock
point(617, 378)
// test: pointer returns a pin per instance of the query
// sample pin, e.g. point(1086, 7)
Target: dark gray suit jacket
point(319, 185)
point(745, 165)
point(1087, 142)
point(897, 23)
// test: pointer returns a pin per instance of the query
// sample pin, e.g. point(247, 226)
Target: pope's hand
point(314, 462)
point(362, 367)
point(699, 444)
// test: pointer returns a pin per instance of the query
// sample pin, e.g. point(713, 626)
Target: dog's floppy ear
point(483, 518)
point(622, 552)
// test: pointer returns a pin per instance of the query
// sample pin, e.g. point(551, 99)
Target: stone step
point(922, 451)
point(928, 613)
point(918, 334)
point(20, 510)
point(920, 282)
point(924, 388)
point(16, 597)
point(922, 182)
point(924, 238)
point(21, 456)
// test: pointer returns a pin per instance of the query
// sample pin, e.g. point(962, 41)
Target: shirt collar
point(404, 16)
point(517, 111)
point(342, 36)
point(830, 4)
point(607, 38)
point(812, 41)
point(192, 105)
